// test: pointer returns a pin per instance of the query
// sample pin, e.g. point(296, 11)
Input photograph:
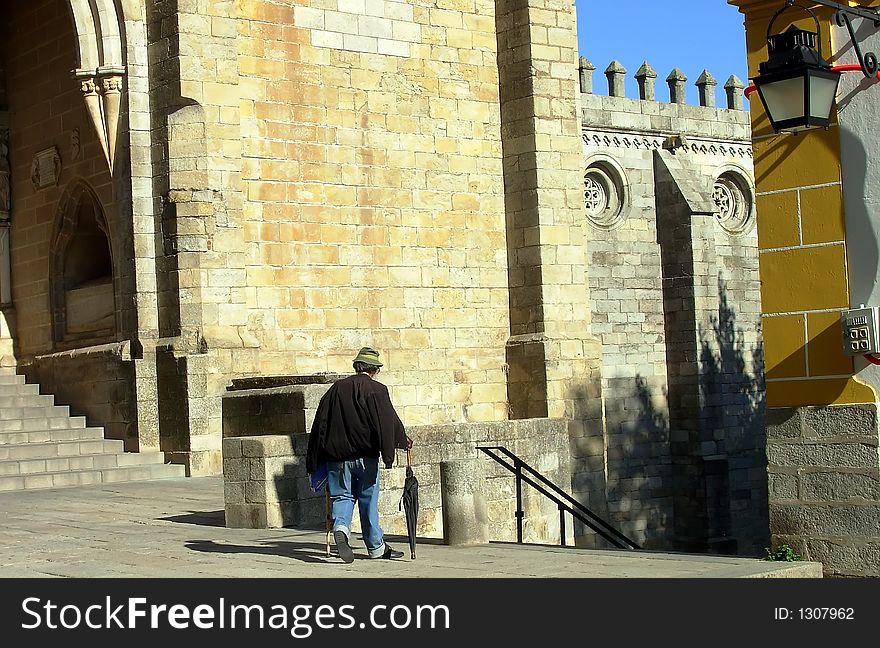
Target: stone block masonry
point(373, 211)
point(266, 485)
point(825, 485)
point(669, 195)
point(297, 180)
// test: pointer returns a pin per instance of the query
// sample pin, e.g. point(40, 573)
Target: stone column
point(7, 349)
point(202, 304)
point(716, 415)
point(465, 514)
point(554, 362)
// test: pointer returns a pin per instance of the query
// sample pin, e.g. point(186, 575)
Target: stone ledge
point(266, 485)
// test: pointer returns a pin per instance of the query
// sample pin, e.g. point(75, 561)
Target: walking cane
point(327, 519)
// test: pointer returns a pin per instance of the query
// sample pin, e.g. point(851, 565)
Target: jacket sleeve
point(391, 431)
point(317, 436)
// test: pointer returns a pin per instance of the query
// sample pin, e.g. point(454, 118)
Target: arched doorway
point(81, 271)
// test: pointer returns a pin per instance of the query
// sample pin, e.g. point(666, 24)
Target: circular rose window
point(733, 200)
point(603, 195)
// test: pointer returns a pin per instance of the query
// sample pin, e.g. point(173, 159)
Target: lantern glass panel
point(784, 99)
point(822, 94)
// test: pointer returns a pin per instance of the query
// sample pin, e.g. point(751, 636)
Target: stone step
point(56, 449)
point(43, 436)
point(86, 461)
point(26, 400)
point(42, 423)
point(20, 389)
point(96, 476)
point(42, 446)
point(40, 411)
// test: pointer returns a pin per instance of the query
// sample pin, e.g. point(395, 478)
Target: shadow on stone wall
point(686, 464)
point(636, 494)
point(732, 439)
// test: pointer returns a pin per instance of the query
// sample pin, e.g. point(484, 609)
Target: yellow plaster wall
point(801, 237)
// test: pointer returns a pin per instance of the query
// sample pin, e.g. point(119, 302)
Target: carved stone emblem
point(46, 168)
point(75, 146)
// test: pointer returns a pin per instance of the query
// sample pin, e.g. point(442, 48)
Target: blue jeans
point(357, 481)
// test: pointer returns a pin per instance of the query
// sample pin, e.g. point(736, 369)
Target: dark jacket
point(355, 419)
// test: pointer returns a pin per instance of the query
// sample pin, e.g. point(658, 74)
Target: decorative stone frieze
point(652, 141)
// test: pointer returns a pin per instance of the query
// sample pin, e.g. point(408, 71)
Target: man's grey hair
point(363, 367)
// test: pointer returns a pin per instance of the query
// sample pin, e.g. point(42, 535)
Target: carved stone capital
point(88, 87)
point(102, 92)
point(111, 84)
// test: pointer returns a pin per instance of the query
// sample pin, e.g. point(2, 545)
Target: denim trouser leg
point(342, 500)
point(357, 480)
point(368, 506)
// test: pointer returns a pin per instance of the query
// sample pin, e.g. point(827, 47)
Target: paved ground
point(175, 528)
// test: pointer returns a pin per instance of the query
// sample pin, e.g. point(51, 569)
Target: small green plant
point(783, 553)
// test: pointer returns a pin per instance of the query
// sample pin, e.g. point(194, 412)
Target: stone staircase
point(43, 446)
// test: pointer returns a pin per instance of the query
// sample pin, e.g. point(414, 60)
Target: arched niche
point(81, 291)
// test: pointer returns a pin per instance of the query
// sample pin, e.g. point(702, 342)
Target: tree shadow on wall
point(732, 386)
point(639, 487)
point(732, 438)
point(621, 472)
point(686, 463)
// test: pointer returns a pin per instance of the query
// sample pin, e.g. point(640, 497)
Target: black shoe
point(391, 554)
point(342, 546)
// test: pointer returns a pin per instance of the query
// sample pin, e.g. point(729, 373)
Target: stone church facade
point(199, 191)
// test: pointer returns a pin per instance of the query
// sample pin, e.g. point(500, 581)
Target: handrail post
point(519, 509)
point(564, 501)
point(562, 524)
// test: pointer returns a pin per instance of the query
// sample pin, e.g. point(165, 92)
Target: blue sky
point(688, 34)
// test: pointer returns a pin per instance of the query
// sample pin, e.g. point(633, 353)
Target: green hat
point(368, 356)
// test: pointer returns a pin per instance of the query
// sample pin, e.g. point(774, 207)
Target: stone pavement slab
point(175, 528)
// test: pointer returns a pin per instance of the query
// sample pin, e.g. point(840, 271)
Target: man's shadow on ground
point(309, 552)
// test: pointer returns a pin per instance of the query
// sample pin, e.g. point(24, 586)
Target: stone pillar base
point(465, 514)
point(200, 463)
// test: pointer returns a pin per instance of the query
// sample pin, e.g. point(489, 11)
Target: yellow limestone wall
point(801, 237)
point(374, 207)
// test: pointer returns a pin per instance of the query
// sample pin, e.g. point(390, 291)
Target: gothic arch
point(81, 270)
point(100, 66)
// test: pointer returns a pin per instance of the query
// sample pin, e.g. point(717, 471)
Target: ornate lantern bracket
point(868, 60)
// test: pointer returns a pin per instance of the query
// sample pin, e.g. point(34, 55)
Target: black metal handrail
point(563, 500)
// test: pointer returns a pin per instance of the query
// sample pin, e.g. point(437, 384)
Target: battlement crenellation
point(646, 77)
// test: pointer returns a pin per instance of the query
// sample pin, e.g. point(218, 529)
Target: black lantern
point(797, 86)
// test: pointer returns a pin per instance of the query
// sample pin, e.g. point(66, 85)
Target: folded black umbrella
point(409, 503)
